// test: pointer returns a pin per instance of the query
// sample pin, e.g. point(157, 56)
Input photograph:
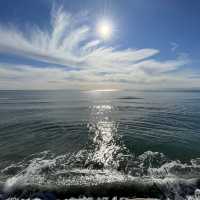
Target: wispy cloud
point(72, 42)
point(174, 46)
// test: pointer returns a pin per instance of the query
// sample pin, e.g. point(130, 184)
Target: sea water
point(100, 143)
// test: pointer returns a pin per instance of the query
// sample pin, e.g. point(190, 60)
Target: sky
point(55, 44)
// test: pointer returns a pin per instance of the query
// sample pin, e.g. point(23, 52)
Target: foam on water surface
point(170, 178)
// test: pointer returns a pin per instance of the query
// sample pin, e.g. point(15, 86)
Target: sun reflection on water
point(104, 136)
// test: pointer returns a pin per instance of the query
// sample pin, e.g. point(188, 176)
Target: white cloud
point(71, 42)
point(174, 46)
point(29, 77)
point(153, 66)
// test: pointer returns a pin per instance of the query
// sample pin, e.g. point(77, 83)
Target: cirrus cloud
point(71, 43)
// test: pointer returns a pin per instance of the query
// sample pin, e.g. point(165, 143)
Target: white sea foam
point(43, 171)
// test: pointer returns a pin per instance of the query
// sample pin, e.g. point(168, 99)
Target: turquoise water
point(121, 133)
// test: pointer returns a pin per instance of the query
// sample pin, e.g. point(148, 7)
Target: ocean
point(100, 143)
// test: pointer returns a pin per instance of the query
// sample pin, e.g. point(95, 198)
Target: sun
point(104, 29)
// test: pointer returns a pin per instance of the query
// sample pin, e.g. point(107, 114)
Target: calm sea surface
point(97, 131)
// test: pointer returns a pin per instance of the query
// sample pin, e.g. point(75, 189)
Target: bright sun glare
point(104, 29)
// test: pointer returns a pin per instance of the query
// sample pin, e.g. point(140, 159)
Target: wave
point(104, 167)
point(148, 175)
point(142, 188)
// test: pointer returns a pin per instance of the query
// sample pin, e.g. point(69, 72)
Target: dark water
point(62, 138)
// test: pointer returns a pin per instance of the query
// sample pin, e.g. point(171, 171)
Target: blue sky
point(54, 44)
